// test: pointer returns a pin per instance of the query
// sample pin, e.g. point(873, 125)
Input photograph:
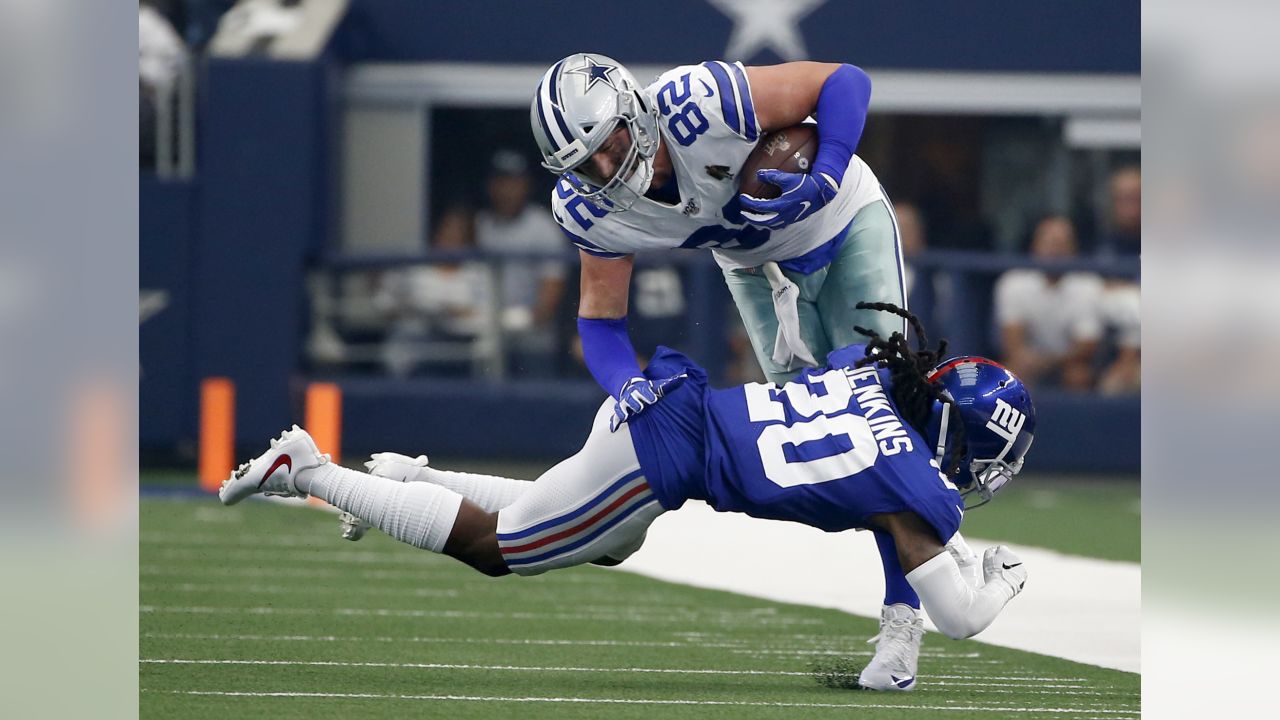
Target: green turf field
point(1094, 518)
point(261, 611)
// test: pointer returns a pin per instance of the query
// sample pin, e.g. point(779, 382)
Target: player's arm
point(606, 285)
point(602, 321)
point(838, 96)
point(606, 346)
point(959, 609)
point(784, 95)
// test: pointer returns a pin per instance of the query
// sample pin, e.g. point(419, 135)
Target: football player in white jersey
point(657, 167)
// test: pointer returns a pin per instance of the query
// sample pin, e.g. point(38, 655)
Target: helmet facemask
point(635, 173)
point(988, 475)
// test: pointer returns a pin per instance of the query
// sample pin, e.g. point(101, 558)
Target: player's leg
point(491, 493)
point(593, 507)
point(426, 516)
point(753, 296)
point(868, 268)
point(893, 667)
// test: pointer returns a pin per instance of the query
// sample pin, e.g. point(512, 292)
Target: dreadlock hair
point(908, 369)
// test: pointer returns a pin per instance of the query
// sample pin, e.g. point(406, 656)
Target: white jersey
point(708, 125)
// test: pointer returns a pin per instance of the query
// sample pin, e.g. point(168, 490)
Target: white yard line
point(1051, 688)
point(256, 589)
point(187, 569)
point(637, 701)
point(723, 617)
point(1076, 608)
point(736, 647)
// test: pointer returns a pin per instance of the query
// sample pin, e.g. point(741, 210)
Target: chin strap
point(942, 434)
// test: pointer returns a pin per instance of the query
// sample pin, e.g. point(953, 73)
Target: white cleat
point(897, 650)
point(1000, 564)
point(392, 466)
point(276, 471)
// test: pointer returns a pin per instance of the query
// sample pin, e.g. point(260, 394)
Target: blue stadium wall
point(230, 247)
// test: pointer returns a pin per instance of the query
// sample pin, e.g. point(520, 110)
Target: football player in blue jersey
point(880, 437)
point(658, 167)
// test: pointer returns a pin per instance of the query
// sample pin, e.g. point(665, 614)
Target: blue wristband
point(607, 350)
point(842, 114)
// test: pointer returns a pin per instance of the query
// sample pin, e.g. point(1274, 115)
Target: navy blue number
point(574, 205)
point(688, 122)
point(677, 97)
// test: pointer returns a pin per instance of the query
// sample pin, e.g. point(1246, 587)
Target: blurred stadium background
point(343, 219)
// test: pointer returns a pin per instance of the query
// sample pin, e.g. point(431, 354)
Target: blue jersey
point(827, 449)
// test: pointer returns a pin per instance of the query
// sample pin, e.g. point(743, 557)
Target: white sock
point(490, 492)
point(956, 607)
point(420, 514)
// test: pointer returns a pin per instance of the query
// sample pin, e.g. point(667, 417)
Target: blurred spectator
point(1121, 315)
point(175, 11)
point(927, 293)
point(161, 59)
point(657, 307)
point(250, 26)
point(742, 364)
point(1119, 305)
point(436, 311)
point(911, 235)
point(1124, 216)
point(1049, 322)
point(531, 288)
point(202, 20)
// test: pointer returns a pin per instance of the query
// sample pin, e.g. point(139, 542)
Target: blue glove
point(802, 195)
point(638, 394)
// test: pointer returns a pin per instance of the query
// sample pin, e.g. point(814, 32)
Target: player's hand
point(802, 195)
point(1000, 564)
point(395, 466)
point(638, 394)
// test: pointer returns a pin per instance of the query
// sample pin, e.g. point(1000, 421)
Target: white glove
point(395, 466)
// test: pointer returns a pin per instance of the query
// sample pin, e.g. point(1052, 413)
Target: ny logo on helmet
point(1005, 420)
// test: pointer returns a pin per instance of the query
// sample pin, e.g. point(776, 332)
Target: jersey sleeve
point(735, 106)
point(712, 98)
point(576, 218)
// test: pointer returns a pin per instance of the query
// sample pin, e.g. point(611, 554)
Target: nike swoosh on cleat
point(710, 92)
point(902, 682)
point(1007, 566)
point(284, 460)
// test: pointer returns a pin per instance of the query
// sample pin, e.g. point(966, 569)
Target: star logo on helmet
point(595, 73)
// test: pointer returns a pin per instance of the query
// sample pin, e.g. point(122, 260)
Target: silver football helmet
point(580, 101)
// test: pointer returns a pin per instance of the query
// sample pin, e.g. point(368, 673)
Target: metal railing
point(175, 124)
point(347, 330)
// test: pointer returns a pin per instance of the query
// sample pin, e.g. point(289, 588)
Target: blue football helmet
point(580, 101)
point(999, 424)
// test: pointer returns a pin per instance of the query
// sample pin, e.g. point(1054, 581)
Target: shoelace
point(896, 637)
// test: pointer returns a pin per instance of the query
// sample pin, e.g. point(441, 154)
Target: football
point(789, 150)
